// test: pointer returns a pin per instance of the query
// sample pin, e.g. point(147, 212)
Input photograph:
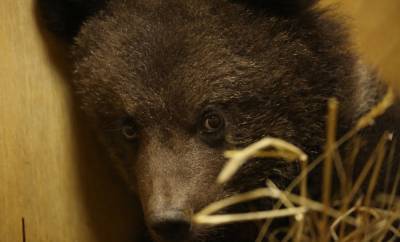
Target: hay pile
point(354, 216)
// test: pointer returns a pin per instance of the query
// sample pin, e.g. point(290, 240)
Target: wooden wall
point(52, 174)
point(375, 26)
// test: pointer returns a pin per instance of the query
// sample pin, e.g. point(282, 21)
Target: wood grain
point(375, 26)
point(52, 173)
point(49, 173)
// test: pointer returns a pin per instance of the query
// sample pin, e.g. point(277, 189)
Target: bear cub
point(169, 85)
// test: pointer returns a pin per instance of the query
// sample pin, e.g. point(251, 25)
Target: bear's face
point(171, 85)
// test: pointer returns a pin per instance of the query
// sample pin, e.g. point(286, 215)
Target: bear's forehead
point(162, 65)
point(142, 62)
point(174, 77)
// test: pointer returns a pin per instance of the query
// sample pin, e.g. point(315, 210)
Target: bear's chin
point(240, 232)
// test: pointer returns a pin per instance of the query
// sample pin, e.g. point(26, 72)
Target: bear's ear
point(65, 17)
point(282, 6)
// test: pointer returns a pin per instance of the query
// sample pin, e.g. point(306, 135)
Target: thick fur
point(268, 67)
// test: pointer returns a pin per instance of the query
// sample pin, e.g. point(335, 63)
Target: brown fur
point(267, 68)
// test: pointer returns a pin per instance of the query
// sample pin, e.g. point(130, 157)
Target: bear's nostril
point(171, 225)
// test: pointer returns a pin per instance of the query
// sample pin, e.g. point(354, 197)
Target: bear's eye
point(129, 131)
point(212, 122)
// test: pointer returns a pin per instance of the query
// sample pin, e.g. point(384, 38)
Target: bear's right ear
point(65, 17)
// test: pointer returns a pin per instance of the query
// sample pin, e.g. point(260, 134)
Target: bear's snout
point(171, 225)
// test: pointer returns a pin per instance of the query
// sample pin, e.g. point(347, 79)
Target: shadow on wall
point(113, 213)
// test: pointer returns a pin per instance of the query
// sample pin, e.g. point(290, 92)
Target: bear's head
point(170, 85)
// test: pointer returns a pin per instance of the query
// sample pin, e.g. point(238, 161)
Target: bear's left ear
point(282, 6)
point(65, 17)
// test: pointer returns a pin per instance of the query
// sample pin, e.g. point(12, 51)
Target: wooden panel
point(376, 32)
point(49, 173)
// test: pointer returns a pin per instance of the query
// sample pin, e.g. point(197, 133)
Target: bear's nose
point(170, 225)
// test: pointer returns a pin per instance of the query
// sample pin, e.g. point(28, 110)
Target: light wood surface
point(375, 26)
point(51, 172)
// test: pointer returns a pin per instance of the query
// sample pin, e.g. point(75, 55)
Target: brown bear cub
point(171, 84)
